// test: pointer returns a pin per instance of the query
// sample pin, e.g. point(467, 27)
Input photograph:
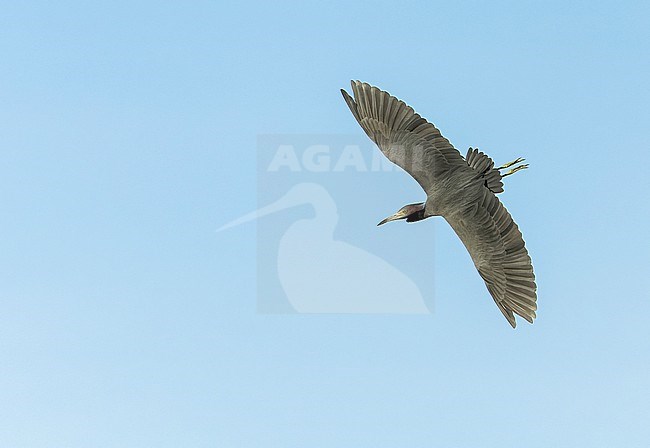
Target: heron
point(460, 189)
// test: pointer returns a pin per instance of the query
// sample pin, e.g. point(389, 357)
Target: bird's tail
point(484, 165)
point(493, 177)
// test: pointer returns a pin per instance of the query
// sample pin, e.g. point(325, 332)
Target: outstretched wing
point(499, 253)
point(407, 139)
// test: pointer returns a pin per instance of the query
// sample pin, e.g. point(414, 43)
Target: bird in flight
point(461, 190)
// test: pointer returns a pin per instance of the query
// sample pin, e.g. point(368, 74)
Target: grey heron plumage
point(460, 189)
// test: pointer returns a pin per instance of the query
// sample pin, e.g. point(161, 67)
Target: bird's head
point(411, 212)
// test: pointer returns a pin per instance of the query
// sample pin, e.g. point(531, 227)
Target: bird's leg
point(509, 164)
point(515, 169)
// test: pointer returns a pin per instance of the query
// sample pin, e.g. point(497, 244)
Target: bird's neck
point(418, 215)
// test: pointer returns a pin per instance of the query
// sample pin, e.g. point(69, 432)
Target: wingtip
point(351, 104)
point(358, 83)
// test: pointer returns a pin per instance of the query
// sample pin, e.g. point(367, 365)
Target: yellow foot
point(515, 169)
point(509, 164)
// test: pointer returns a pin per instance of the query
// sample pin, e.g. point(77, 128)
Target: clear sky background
point(129, 134)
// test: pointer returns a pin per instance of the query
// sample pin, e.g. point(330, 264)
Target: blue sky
point(130, 133)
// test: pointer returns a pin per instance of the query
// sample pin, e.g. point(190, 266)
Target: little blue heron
point(461, 190)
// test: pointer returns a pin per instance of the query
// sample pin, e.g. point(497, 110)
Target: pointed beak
point(390, 218)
